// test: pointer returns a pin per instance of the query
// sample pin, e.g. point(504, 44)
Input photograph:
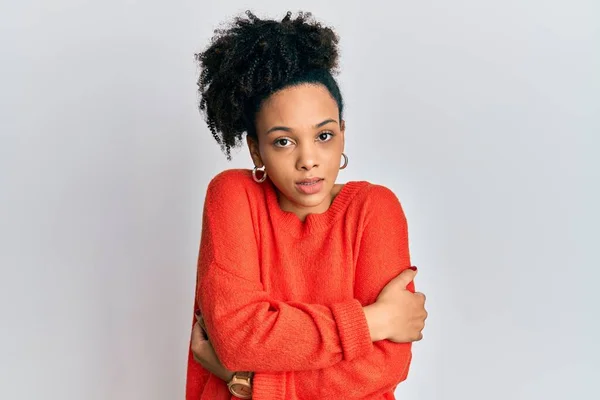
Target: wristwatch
point(240, 385)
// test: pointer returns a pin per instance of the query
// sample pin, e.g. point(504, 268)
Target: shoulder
point(231, 188)
point(373, 194)
point(378, 192)
point(376, 201)
point(231, 181)
point(232, 177)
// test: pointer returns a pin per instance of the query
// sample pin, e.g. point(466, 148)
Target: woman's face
point(300, 144)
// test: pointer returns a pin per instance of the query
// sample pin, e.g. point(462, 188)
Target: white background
point(482, 116)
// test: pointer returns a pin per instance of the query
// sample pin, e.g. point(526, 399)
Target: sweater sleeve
point(383, 254)
point(249, 328)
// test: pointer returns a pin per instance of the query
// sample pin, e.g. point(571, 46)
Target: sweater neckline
point(313, 222)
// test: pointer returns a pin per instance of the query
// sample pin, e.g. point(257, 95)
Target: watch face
point(241, 389)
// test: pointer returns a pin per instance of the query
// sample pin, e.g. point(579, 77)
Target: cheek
point(333, 156)
point(276, 160)
point(277, 156)
point(278, 166)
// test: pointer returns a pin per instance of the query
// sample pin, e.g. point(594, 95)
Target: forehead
point(297, 106)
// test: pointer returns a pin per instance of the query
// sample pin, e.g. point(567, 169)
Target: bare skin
point(301, 136)
point(204, 353)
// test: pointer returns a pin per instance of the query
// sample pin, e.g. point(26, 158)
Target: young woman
point(304, 285)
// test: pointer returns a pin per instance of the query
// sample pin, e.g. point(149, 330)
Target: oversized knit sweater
point(283, 297)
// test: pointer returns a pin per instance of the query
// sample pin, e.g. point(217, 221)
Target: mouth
point(310, 186)
point(309, 182)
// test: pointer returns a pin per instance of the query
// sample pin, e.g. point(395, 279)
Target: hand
point(204, 353)
point(403, 310)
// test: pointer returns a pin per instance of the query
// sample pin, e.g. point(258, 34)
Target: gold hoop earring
point(262, 178)
point(345, 161)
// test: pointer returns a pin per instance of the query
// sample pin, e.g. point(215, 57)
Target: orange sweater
point(284, 298)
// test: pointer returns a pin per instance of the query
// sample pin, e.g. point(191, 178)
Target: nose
point(307, 158)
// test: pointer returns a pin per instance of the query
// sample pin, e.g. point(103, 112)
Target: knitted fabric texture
point(283, 297)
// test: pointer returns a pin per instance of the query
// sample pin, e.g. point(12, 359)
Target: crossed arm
point(247, 327)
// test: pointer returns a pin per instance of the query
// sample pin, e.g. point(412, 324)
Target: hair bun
point(253, 57)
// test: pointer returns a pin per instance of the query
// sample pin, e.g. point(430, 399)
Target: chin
point(310, 201)
point(313, 202)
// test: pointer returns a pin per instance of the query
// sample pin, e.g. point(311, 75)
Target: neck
point(301, 212)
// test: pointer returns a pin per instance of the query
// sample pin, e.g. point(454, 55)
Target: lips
point(310, 181)
point(310, 186)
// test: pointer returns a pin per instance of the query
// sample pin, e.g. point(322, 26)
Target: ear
point(343, 132)
point(254, 151)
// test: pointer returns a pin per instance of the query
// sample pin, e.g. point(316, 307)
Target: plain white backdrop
point(482, 116)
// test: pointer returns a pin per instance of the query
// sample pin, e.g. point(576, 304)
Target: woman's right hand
point(398, 314)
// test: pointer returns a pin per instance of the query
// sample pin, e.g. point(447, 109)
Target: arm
point(196, 376)
point(384, 253)
point(247, 327)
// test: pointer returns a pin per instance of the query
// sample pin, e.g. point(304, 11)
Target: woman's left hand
point(205, 354)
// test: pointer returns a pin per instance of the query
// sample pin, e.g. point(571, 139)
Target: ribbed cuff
point(352, 326)
point(268, 386)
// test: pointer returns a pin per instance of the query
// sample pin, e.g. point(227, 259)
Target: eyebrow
point(286, 129)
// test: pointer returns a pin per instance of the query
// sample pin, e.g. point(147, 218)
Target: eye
point(325, 136)
point(282, 142)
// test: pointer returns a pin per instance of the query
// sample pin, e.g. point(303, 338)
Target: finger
point(195, 333)
point(407, 276)
point(198, 333)
point(199, 350)
point(202, 332)
point(421, 295)
point(203, 328)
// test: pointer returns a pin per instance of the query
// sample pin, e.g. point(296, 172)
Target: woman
point(304, 286)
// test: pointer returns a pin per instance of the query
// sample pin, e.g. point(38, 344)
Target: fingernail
point(413, 268)
point(197, 312)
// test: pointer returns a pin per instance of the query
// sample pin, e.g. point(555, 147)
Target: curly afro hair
point(254, 58)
